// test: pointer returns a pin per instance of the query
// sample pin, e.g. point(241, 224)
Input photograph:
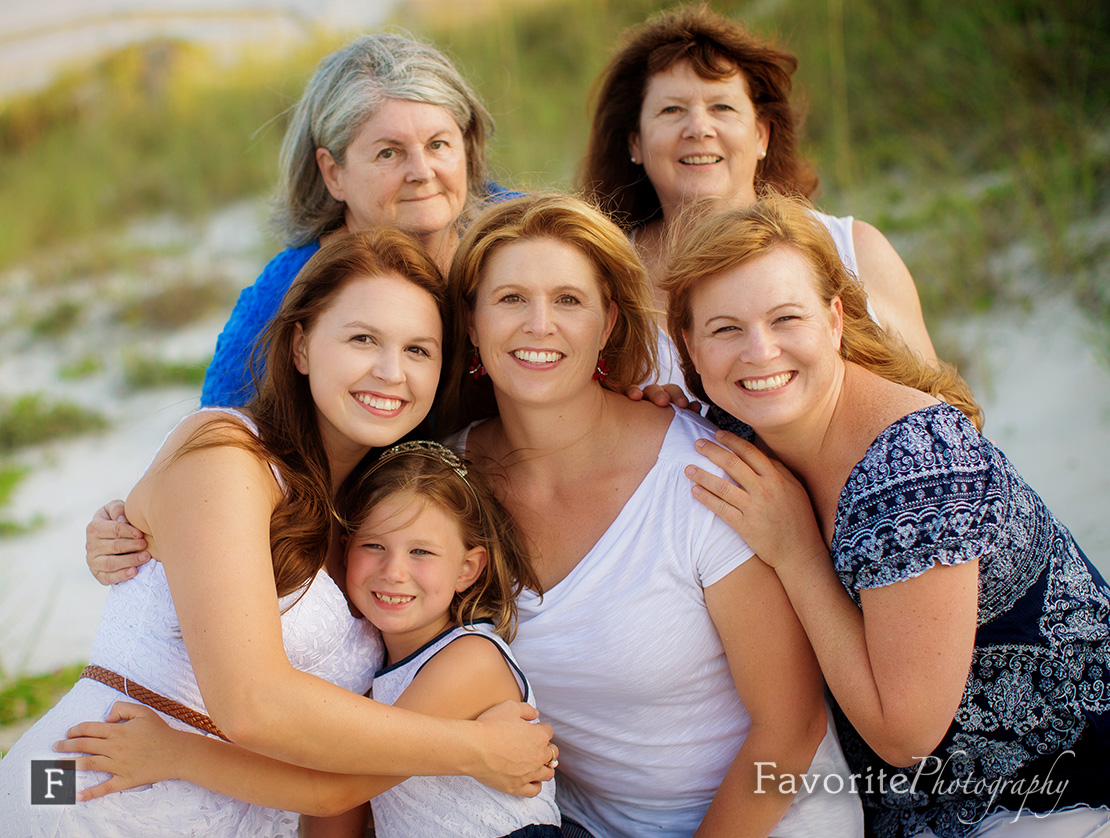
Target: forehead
point(406, 509)
point(781, 275)
point(682, 79)
point(387, 298)
point(540, 261)
point(401, 118)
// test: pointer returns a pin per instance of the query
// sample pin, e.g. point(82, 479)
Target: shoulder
point(686, 428)
point(462, 680)
point(925, 442)
point(496, 193)
point(927, 491)
point(878, 265)
point(222, 440)
point(288, 263)
point(211, 457)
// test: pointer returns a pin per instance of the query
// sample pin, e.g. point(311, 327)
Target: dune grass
point(33, 419)
point(961, 131)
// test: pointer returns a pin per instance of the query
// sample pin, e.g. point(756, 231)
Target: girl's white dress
point(139, 637)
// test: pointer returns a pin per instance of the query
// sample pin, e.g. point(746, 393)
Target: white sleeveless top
point(139, 637)
point(457, 806)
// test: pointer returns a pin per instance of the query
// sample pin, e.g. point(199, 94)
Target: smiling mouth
point(379, 402)
point(389, 599)
point(532, 357)
point(771, 382)
point(701, 160)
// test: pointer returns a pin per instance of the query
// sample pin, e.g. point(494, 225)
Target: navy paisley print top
point(1032, 731)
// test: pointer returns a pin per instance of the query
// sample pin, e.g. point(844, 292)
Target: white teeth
point(702, 160)
point(378, 402)
point(393, 600)
point(766, 383)
point(537, 357)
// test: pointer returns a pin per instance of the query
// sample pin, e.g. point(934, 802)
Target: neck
point(803, 446)
point(342, 462)
point(557, 439)
point(399, 645)
point(441, 246)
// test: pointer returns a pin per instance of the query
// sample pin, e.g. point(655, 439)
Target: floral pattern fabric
point(1032, 731)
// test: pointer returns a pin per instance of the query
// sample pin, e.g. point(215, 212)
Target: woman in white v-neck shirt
point(668, 664)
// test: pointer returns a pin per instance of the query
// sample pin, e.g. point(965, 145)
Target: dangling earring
point(476, 369)
point(602, 371)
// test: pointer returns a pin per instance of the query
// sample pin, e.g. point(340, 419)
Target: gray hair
point(347, 89)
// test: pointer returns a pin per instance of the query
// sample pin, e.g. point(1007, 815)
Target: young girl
point(434, 562)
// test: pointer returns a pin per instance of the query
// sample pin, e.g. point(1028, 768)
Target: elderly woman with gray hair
point(386, 133)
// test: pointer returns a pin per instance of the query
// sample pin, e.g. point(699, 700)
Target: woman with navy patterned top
point(960, 628)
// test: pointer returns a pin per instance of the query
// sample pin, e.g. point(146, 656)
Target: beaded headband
point(424, 448)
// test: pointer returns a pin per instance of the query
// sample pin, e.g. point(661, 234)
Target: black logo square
point(53, 782)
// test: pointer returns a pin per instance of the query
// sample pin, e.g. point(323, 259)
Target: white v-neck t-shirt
point(631, 671)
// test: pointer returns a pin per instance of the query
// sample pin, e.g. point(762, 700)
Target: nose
point(394, 568)
point(760, 346)
point(540, 322)
point(388, 367)
point(420, 168)
point(698, 123)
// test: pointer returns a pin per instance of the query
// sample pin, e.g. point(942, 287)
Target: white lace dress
point(139, 637)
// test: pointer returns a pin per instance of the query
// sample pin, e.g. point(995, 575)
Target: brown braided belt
point(152, 699)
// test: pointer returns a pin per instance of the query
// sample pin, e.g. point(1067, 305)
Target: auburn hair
point(734, 237)
point(632, 349)
point(283, 411)
point(717, 48)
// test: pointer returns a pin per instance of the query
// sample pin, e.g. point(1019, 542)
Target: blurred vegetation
point(33, 419)
point(31, 695)
point(10, 477)
point(143, 373)
point(176, 305)
point(976, 135)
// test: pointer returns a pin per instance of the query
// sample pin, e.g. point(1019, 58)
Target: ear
point(690, 351)
point(470, 330)
point(300, 349)
point(836, 320)
point(763, 134)
point(612, 322)
point(473, 565)
point(330, 171)
point(634, 147)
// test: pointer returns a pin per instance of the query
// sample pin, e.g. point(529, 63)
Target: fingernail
point(700, 443)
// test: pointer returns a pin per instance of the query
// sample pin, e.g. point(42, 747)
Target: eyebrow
point(770, 311)
point(561, 289)
point(366, 327)
point(394, 141)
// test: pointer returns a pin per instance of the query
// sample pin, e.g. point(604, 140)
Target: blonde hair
point(447, 481)
point(632, 349)
point(734, 237)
